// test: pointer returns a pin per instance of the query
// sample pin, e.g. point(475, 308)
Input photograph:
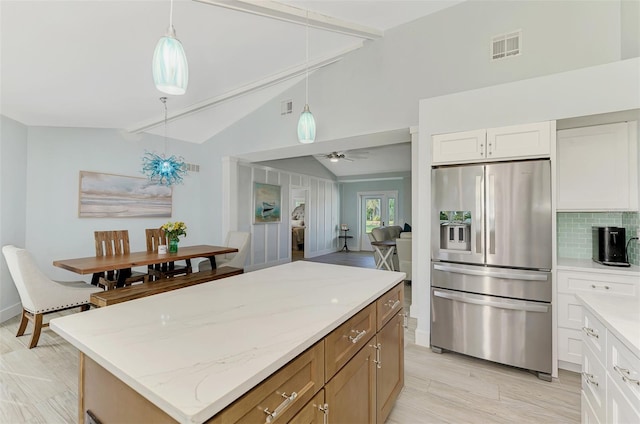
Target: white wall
point(13, 190)
point(599, 89)
point(271, 243)
point(55, 158)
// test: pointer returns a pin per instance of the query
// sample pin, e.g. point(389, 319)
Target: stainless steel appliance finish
point(455, 236)
point(493, 300)
point(510, 205)
point(508, 331)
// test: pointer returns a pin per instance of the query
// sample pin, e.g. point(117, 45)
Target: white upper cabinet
point(597, 168)
point(493, 144)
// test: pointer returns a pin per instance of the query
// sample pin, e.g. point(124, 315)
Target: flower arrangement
point(174, 229)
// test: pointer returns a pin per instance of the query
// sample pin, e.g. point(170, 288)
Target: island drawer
point(389, 304)
point(624, 368)
point(594, 335)
point(345, 341)
point(313, 412)
point(281, 396)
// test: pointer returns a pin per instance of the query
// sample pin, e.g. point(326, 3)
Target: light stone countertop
point(591, 266)
point(193, 351)
point(621, 315)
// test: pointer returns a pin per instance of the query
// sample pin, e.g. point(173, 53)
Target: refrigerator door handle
point(491, 213)
point(518, 305)
point(478, 218)
point(496, 274)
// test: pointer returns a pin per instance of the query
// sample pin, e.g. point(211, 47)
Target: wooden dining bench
point(124, 294)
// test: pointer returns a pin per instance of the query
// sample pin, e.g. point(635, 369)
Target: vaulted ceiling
point(88, 63)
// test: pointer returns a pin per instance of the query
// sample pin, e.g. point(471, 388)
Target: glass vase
point(173, 245)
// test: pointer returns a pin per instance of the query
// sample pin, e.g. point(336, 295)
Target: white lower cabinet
point(610, 376)
point(570, 310)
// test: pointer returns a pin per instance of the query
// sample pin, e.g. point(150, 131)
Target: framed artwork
point(119, 196)
point(266, 203)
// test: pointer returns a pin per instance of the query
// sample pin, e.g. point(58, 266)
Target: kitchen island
point(186, 355)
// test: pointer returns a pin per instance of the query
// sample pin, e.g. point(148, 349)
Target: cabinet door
point(519, 141)
point(313, 412)
point(619, 408)
point(390, 378)
point(597, 168)
point(468, 146)
point(351, 393)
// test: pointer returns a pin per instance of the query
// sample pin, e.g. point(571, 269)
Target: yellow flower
point(174, 229)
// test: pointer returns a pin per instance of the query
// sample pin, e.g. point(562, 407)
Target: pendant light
point(160, 169)
point(306, 123)
point(170, 67)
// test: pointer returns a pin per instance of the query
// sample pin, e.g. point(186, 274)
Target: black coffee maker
point(609, 246)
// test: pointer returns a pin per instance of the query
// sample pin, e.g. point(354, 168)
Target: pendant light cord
point(164, 102)
point(171, 15)
point(306, 89)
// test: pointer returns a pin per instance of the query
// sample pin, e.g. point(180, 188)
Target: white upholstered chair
point(403, 247)
point(238, 239)
point(40, 295)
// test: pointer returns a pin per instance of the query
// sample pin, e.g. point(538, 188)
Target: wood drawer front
point(597, 283)
point(304, 376)
point(594, 336)
point(594, 380)
point(389, 304)
point(569, 311)
point(313, 412)
point(346, 340)
point(624, 368)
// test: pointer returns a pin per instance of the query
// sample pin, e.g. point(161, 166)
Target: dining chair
point(113, 243)
point(39, 295)
point(238, 239)
point(156, 237)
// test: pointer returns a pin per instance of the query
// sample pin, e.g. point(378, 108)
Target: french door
point(376, 209)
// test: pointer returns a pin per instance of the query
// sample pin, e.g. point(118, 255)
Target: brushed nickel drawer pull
point(625, 374)
point(590, 332)
point(360, 334)
point(325, 411)
point(393, 305)
point(590, 379)
point(272, 415)
point(377, 361)
point(405, 320)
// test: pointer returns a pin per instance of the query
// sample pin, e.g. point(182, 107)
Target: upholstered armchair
point(239, 240)
point(403, 247)
point(40, 295)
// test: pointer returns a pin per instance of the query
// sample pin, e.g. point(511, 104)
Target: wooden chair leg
point(23, 323)
point(37, 327)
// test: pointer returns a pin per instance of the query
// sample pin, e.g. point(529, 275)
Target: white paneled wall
point(271, 243)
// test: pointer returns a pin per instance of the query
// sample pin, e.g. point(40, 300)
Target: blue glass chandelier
point(160, 169)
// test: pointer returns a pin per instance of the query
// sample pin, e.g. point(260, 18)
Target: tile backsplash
point(574, 232)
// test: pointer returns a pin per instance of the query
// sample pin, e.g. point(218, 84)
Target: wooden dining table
point(124, 263)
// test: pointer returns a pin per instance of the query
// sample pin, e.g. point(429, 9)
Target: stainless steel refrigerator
point(491, 262)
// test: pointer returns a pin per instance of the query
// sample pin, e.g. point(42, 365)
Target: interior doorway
point(375, 209)
point(298, 222)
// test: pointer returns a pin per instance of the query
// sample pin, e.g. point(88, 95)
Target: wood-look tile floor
point(40, 385)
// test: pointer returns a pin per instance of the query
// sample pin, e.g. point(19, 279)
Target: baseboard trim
point(321, 253)
point(423, 338)
point(10, 312)
point(569, 366)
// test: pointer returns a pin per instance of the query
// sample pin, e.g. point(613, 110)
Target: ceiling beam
point(284, 12)
point(248, 88)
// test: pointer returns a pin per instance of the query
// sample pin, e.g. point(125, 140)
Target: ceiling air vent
point(286, 107)
point(506, 45)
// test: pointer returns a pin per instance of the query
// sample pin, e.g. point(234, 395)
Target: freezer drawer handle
point(589, 378)
point(520, 306)
point(590, 332)
point(507, 275)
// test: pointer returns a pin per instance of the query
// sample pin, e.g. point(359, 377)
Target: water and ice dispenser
point(455, 230)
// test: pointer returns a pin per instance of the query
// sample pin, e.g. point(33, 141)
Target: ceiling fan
point(338, 156)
